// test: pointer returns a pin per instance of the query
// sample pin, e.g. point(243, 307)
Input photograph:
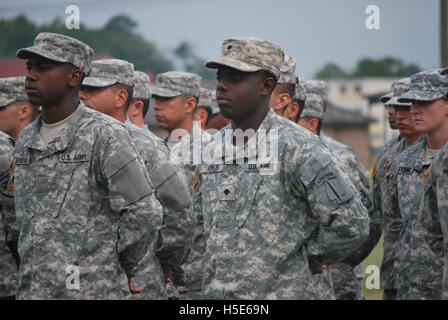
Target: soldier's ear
point(190, 105)
point(267, 85)
point(75, 77)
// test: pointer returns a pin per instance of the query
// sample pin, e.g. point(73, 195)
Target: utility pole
point(443, 33)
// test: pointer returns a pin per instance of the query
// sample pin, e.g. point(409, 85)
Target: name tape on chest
point(74, 157)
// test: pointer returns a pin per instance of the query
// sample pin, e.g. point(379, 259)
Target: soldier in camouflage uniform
point(270, 222)
point(295, 106)
point(176, 95)
point(384, 159)
point(203, 111)
point(285, 88)
point(345, 275)
point(15, 114)
point(106, 90)
point(419, 273)
point(433, 212)
point(141, 98)
point(383, 156)
point(85, 206)
point(8, 267)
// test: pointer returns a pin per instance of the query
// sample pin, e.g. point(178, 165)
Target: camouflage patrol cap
point(318, 87)
point(107, 72)
point(288, 71)
point(175, 83)
point(386, 97)
point(428, 85)
point(60, 48)
point(207, 99)
point(249, 55)
point(314, 106)
point(142, 86)
point(12, 89)
point(299, 91)
point(399, 87)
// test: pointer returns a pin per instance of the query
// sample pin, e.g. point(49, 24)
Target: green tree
point(331, 71)
point(117, 39)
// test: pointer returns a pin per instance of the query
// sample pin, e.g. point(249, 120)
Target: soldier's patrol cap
point(384, 98)
point(399, 87)
point(12, 89)
point(314, 106)
point(107, 72)
point(207, 99)
point(142, 86)
point(428, 85)
point(249, 55)
point(288, 71)
point(60, 48)
point(175, 83)
point(299, 90)
point(317, 87)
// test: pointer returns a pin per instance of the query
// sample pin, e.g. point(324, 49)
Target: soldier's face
point(47, 82)
point(237, 93)
point(170, 112)
point(403, 119)
point(99, 99)
point(430, 116)
point(391, 117)
point(9, 118)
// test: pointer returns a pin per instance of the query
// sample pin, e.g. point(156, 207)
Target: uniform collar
point(65, 137)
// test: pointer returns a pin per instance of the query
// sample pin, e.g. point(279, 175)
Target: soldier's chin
point(34, 99)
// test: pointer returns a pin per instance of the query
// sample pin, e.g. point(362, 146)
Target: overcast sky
point(315, 32)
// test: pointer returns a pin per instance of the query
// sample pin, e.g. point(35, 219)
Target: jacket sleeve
point(341, 221)
point(131, 195)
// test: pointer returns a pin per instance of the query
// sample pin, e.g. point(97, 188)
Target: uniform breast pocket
point(68, 185)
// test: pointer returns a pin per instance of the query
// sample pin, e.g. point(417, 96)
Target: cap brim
point(26, 53)
point(98, 82)
point(420, 96)
point(232, 63)
point(386, 97)
point(164, 92)
point(394, 102)
point(5, 102)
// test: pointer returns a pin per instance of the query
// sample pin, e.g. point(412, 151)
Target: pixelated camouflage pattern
point(194, 262)
point(85, 200)
point(175, 83)
point(427, 85)
point(433, 212)
point(142, 86)
point(8, 268)
point(399, 87)
point(207, 99)
point(12, 89)
point(263, 242)
point(249, 55)
point(314, 106)
point(419, 272)
point(347, 276)
point(288, 71)
point(107, 72)
point(176, 234)
point(317, 87)
point(300, 91)
point(385, 155)
point(60, 48)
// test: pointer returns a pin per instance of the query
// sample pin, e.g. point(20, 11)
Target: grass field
point(375, 258)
